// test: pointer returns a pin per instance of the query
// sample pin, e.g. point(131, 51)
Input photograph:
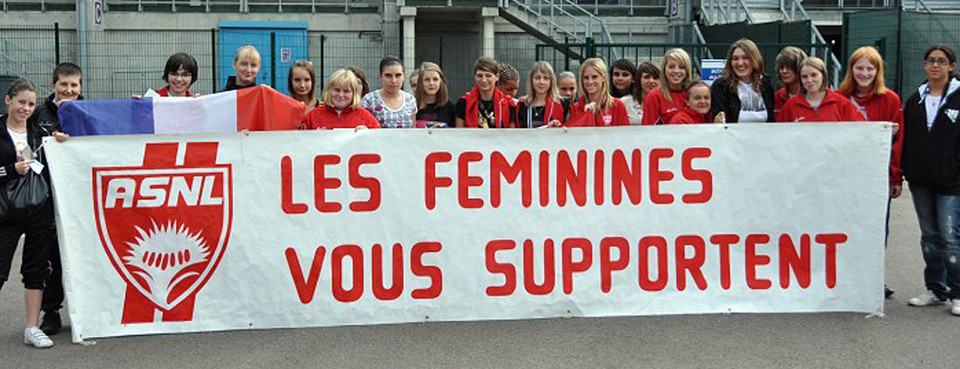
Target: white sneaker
point(926, 298)
point(955, 310)
point(33, 336)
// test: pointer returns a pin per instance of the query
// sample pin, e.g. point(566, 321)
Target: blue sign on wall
point(711, 69)
point(290, 45)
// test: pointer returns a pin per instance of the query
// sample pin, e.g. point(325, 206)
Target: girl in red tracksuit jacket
point(864, 87)
point(595, 107)
point(698, 109)
point(660, 105)
point(341, 105)
point(788, 68)
point(817, 103)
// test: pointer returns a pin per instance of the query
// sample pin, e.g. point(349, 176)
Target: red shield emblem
point(165, 226)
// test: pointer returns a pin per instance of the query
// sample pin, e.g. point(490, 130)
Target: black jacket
point(931, 157)
point(727, 101)
point(46, 114)
point(232, 84)
point(8, 152)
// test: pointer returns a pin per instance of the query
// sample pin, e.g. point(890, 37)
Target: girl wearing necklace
point(541, 106)
point(18, 140)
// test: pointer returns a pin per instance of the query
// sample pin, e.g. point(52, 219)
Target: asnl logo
point(165, 226)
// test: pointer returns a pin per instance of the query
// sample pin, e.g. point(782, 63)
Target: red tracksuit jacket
point(326, 117)
point(615, 115)
point(833, 108)
point(658, 110)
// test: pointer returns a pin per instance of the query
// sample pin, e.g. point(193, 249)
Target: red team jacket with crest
point(615, 115)
point(658, 110)
point(833, 108)
point(326, 117)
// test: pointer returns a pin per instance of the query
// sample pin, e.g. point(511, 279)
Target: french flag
point(259, 108)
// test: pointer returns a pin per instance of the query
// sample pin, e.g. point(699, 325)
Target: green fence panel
point(879, 29)
point(919, 31)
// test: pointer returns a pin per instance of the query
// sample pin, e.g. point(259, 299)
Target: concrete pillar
point(391, 28)
point(409, 16)
point(487, 34)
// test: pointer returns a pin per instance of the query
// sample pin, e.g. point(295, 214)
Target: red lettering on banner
point(549, 271)
point(691, 264)
point(626, 178)
point(697, 175)
point(753, 260)
point(507, 269)
point(369, 183)
point(598, 177)
point(544, 178)
point(571, 178)
point(644, 246)
point(286, 189)
point(570, 266)
point(431, 181)
point(830, 241)
point(689, 255)
point(800, 264)
point(322, 183)
point(305, 287)
point(465, 180)
point(608, 265)
point(432, 272)
point(396, 288)
point(575, 180)
point(356, 256)
point(499, 167)
point(657, 176)
point(723, 242)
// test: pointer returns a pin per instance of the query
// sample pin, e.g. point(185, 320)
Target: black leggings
point(39, 229)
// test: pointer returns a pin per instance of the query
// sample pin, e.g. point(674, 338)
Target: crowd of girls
point(925, 142)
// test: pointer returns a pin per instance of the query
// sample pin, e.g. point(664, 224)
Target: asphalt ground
point(907, 337)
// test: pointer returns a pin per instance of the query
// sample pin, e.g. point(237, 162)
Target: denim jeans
point(939, 217)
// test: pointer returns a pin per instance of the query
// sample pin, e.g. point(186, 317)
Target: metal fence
point(121, 63)
point(901, 37)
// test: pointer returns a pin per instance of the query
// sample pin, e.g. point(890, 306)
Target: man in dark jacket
point(67, 84)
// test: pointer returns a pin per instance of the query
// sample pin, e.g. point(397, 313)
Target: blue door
point(290, 44)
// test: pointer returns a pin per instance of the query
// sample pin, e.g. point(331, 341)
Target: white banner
point(186, 233)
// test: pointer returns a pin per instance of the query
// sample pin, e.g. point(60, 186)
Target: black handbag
point(20, 196)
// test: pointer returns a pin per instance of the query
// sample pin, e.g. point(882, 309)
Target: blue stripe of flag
point(107, 117)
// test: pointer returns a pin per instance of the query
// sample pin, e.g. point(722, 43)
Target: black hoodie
point(931, 157)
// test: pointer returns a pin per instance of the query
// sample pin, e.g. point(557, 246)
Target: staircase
point(555, 21)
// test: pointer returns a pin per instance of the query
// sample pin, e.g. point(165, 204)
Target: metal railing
point(789, 9)
point(242, 6)
point(557, 13)
point(42, 5)
point(725, 11)
point(918, 5)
